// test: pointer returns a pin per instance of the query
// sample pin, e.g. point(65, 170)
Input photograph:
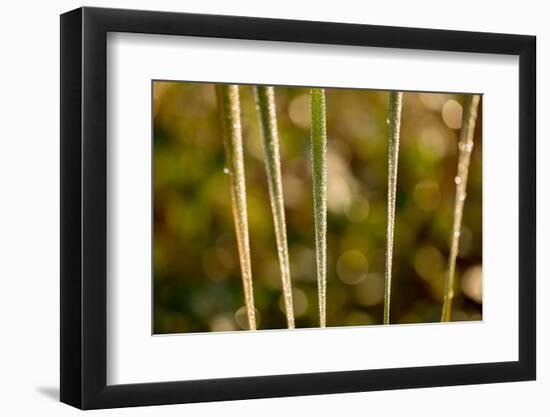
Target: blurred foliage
point(197, 283)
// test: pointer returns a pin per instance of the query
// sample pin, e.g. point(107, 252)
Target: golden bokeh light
point(352, 267)
point(451, 113)
point(472, 283)
point(370, 292)
point(299, 299)
point(427, 195)
point(428, 263)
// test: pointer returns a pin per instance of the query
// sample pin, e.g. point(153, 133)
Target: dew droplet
point(466, 147)
point(458, 180)
point(388, 121)
point(226, 171)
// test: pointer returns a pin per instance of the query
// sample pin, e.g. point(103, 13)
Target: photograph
point(300, 207)
point(284, 205)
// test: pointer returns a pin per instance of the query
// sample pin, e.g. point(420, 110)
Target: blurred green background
point(197, 283)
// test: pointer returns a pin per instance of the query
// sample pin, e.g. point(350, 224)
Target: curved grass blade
point(394, 121)
point(230, 111)
point(319, 169)
point(265, 103)
point(465, 146)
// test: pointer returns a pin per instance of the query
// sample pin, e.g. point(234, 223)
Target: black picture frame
point(84, 207)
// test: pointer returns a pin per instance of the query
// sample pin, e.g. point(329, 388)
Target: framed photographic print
point(256, 208)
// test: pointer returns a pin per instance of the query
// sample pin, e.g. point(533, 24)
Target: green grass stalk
point(319, 173)
point(394, 126)
point(230, 111)
point(465, 146)
point(265, 104)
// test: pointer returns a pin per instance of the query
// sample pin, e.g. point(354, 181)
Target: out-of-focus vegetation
point(197, 279)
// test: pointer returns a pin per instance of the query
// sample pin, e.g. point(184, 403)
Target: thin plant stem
point(465, 146)
point(319, 173)
point(265, 103)
point(230, 110)
point(394, 126)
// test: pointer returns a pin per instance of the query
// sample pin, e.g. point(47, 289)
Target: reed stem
point(394, 122)
point(265, 104)
point(465, 147)
point(230, 111)
point(319, 170)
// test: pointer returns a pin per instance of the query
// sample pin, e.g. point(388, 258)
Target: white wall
point(29, 177)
